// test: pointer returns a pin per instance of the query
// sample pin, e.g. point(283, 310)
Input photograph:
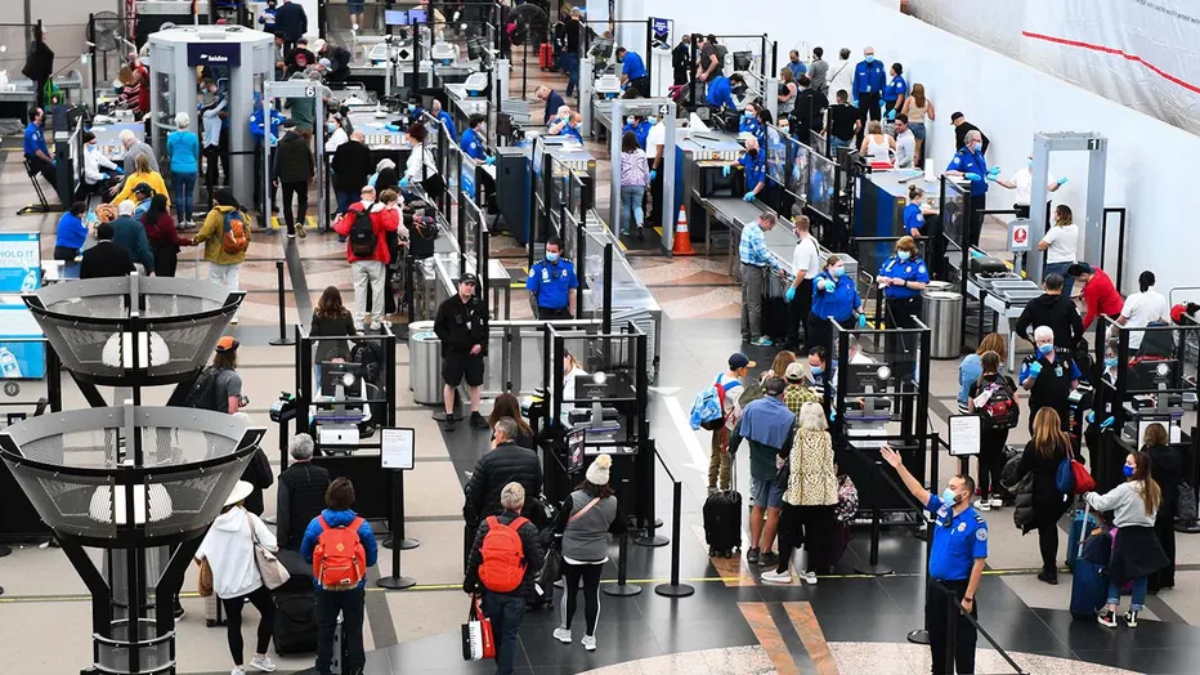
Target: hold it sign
point(214, 54)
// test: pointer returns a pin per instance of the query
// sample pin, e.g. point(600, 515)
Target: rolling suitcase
point(1074, 532)
point(1089, 581)
point(214, 612)
point(546, 56)
point(723, 520)
point(295, 628)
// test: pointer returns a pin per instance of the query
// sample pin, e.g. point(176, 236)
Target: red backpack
point(503, 566)
point(339, 559)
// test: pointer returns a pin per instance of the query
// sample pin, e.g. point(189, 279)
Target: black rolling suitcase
point(295, 629)
point(723, 520)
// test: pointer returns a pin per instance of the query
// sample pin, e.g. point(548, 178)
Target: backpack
point(847, 504)
point(503, 566)
point(235, 237)
point(362, 235)
point(339, 559)
point(1001, 411)
point(203, 393)
point(708, 410)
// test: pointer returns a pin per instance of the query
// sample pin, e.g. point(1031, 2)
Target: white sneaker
point(354, 27)
point(809, 578)
point(773, 577)
point(589, 642)
point(377, 325)
point(997, 502)
point(563, 635)
point(263, 663)
point(237, 671)
point(983, 505)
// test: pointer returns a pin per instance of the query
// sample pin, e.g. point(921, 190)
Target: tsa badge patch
point(981, 534)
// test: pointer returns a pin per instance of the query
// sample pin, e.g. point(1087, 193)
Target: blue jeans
point(835, 143)
point(345, 199)
point(506, 611)
point(184, 185)
point(631, 206)
point(1140, 585)
point(1061, 268)
point(570, 63)
point(352, 608)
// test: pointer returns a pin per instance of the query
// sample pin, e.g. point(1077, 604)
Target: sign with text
point(397, 449)
point(227, 54)
point(662, 29)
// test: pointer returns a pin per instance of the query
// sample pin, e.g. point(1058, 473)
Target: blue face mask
point(948, 497)
point(1110, 363)
point(1031, 164)
point(551, 257)
point(816, 370)
point(838, 272)
point(870, 58)
point(1045, 350)
point(903, 255)
point(1127, 470)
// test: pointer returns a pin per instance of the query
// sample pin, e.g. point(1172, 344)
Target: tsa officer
point(867, 88)
point(916, 211)
point(894, 92)
point(633, 71)
point(475, 145)
point(834, 297)
point(754, 163)
point(751, 123)
point(553, 284)
point(970, 164)
point(960, 548)
point(902, 278)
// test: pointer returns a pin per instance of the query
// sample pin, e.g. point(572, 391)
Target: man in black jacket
point(506, 462)
point(291, 20)
point(339, 60)
point(105, 259)
point(808, 113)
point(1053, 310)
point(294, 171)
point(301, 494)
point(130, 234)
point(351, 168)
point(461, 325)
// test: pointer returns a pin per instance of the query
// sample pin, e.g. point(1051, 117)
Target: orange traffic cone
point(683, 240)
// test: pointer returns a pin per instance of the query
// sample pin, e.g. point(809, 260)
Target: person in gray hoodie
point(583, 525)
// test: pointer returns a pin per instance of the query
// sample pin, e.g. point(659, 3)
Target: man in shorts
point(461, 325)
point(769, 426)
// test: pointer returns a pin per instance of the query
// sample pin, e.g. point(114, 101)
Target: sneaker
point(997, 503)
point(809, 578)
point(263, 663)
point(983, 505)
point(1107, 618)
point(763, 341)
point(563, 635)
point(301, 232)
point(641, 234)
point(376, 325)
point(752, 556)
point(291, 235)
point(769, 559)
point(237, 671)
point(180, 612)
point(589, 642)
point(478, 421)
point(1048, 576)
point(773, 577)
point(354, 27)
point(1131, 619)
point(448, 425)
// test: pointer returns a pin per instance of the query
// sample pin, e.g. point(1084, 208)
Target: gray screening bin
point(943, 312)
point(425, 363)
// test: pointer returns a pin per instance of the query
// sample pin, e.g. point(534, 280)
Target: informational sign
point(20, 360)
point(575, 446)
point(227, 54)
point(397, 448)
point(20, 262)
point(965, 431)
point(662, 30)
point(1018, 235)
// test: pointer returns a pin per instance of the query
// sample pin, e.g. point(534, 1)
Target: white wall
point(1151, 164)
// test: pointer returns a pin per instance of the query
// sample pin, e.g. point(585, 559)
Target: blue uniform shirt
point(971, 162)
point(640, 131)
point(553, 102)
point(751, 125)
point(552, 283)
point(633, 67)
point(473, 145)
point(720, 93)
point(756, 169)
point(448, 124)
point(838, 304)
point(869, 78)
point(256, 124)
point(798, 68)
point(914, 219)
point(895, 89)
point(35, 140)
point(957, 541)
point(913, 269)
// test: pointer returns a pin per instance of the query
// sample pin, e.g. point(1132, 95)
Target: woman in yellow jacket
point(143, 174)
point(225, 251)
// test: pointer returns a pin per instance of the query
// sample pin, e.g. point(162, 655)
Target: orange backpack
point(503, 566)
point(235, 235)
point(339, 559)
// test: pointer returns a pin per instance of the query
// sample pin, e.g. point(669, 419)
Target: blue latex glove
point(795, 173)
point(404, 182)
point(653, 174)
point(1107, 423)
point(862, 320)
point(1035, 369)
point(856, 102)
point(489, 160)
point(994, 171)
point(725, 170)
point(1062, 181)
point(392, 127)
point(892, 115)
point(973, 177)
point(992, 177)
point(1091, 417)
point(832, 415)
point(749, 196)
point(829, 286)
point(120, 171)
point(791, 294)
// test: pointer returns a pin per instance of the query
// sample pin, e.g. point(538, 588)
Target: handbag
point(273, 573)
point(1064, 476)
point(784, 474)
point(1185, 507)
point(477, 641)
point(1083, 480)
point(551, 570)
point(205, 585)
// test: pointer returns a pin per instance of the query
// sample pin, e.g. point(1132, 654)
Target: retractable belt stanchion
point(283, 340)
point(920, 636)
point(675, 589)
point(622, 589)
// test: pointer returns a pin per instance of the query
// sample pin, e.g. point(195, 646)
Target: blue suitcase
point(1073, 533)
point(1089, 581)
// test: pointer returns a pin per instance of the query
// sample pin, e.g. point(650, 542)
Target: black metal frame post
point(283, 340)
point(873, 567)
point(397, 582)
point(622, 589)
point(920, 636)
point(675, 589)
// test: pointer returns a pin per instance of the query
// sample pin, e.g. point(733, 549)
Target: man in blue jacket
point(350, 603)
point(292, 21)
point(867, 89)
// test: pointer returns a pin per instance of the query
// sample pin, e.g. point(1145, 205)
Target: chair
point(42, 206)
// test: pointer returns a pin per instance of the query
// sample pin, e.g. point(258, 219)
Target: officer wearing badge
point(902, 278)
point(474, 144)
point(956, 560)
point(553, 284)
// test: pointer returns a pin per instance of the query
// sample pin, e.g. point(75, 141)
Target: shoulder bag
point(273, 573)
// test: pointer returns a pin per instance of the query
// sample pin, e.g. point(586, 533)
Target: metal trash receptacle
point(425, 363)
point(943, 312)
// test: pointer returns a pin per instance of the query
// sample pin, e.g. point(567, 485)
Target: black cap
point(289, 123)
point(956, 117)
point(738, 360)
point(469, 278)
point(143, 188)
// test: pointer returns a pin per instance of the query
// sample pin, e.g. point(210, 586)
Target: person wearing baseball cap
point(227, 383)
point(461, 325)
point(730, 385)
point(798, 391)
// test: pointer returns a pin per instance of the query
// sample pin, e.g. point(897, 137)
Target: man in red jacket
point(1099, 293)
point(368, 254)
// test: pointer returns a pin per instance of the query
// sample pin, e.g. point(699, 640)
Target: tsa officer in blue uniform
point(37, 153)
point(751, 123)
point(641, 130)
point(916, 212)
point(633, 71)
point(834, 297)
point(474, 145)
point(754, 162)
point(867, 89)
point(960, 548)
point(902, 278)
point(721, 88)
point(258, 124)
point(894, 92)
point(970, 164)
point(567, 124)
point(553, 284)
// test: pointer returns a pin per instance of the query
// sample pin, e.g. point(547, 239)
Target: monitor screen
point(395, 17)
point(820, 185)
point(797, 177)
point(777, 153)
point(418, 16)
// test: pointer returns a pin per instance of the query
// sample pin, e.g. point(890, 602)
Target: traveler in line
point(226, 238)
point(1054, 309)
point(105, 259)
point(365, 227)
point(818, 72)
point(301, 495)
point(1043, 454)
point(183, 147)
point(635, 176)
point(1141, 309)
point(1099, 294)
point(843, 124)
point(144, 174)
point(461, 325)
point(808, 498)
point(293, 172)
point(422, 167)
point(806, 263)
point(163, 235)
point(331, 319)
point(962, 130)
point(229, 549)
point(351, 167)
point(1166, 468)
point(129, 234)
point(504, 463)
point(798, 391)
point(906, 144)
point(508, 405)
point(257, 473)
point(787, 91)
point(917, 108)
point(769, 427)
point(992, 441)
point(733, 381)
point(756, 259)
point(582, 528)
point(229, 383)
point(1061, 245)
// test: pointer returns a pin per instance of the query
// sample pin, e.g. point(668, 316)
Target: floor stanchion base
point(621, 590)
point(396, 583)
point(405, 544)
point(674, 590)
point(652, 541)
point(874, 570)
point(5, 550)
point(919, 636)
point(282, 342)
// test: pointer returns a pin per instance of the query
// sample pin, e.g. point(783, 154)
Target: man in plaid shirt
point(756, 259)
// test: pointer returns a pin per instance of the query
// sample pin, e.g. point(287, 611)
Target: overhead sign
point(214, 54)
point(1018, 235)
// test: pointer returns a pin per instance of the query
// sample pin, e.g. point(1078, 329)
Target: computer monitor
point(1144, 375)
point(396, 17)
point(333, 375)
point(876, 378)
point(416, 16)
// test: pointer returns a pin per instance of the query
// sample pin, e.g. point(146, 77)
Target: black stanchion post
point(675, 589)
point(873, 567)
point(622, 589)
point(397, 524)
point(921, 635)
point(951, 627)
point(283, 340)
point(647, 522)
point(396, 582)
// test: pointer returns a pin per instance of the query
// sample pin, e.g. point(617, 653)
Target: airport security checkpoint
point(323, 322)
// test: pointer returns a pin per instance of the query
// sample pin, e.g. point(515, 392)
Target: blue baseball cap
point(739, 360)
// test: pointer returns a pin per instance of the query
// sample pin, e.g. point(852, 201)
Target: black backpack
point(203, 393)
point(1001, 410)
point(362, 236)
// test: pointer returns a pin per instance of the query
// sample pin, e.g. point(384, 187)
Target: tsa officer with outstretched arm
point(834, 297)
point(970, 164)
point(553, 284)
point(956, 560)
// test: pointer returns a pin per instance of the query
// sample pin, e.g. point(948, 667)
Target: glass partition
point(821, 185)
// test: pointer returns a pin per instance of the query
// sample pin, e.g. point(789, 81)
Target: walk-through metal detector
point(313, 89)
point(1093, 231)
point(665, 109)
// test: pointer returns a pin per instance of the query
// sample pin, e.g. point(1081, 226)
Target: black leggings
point(261, 599)
point(590, 574)
point(1048, 543)
point(300, 190)
point(991, 462)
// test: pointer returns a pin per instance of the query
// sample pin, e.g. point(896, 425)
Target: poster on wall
point(20, 262)
point(20, 272)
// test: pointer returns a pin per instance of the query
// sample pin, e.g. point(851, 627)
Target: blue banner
point(20, 262)
point(661, 28)
point(466, 181)
point(20, 272)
